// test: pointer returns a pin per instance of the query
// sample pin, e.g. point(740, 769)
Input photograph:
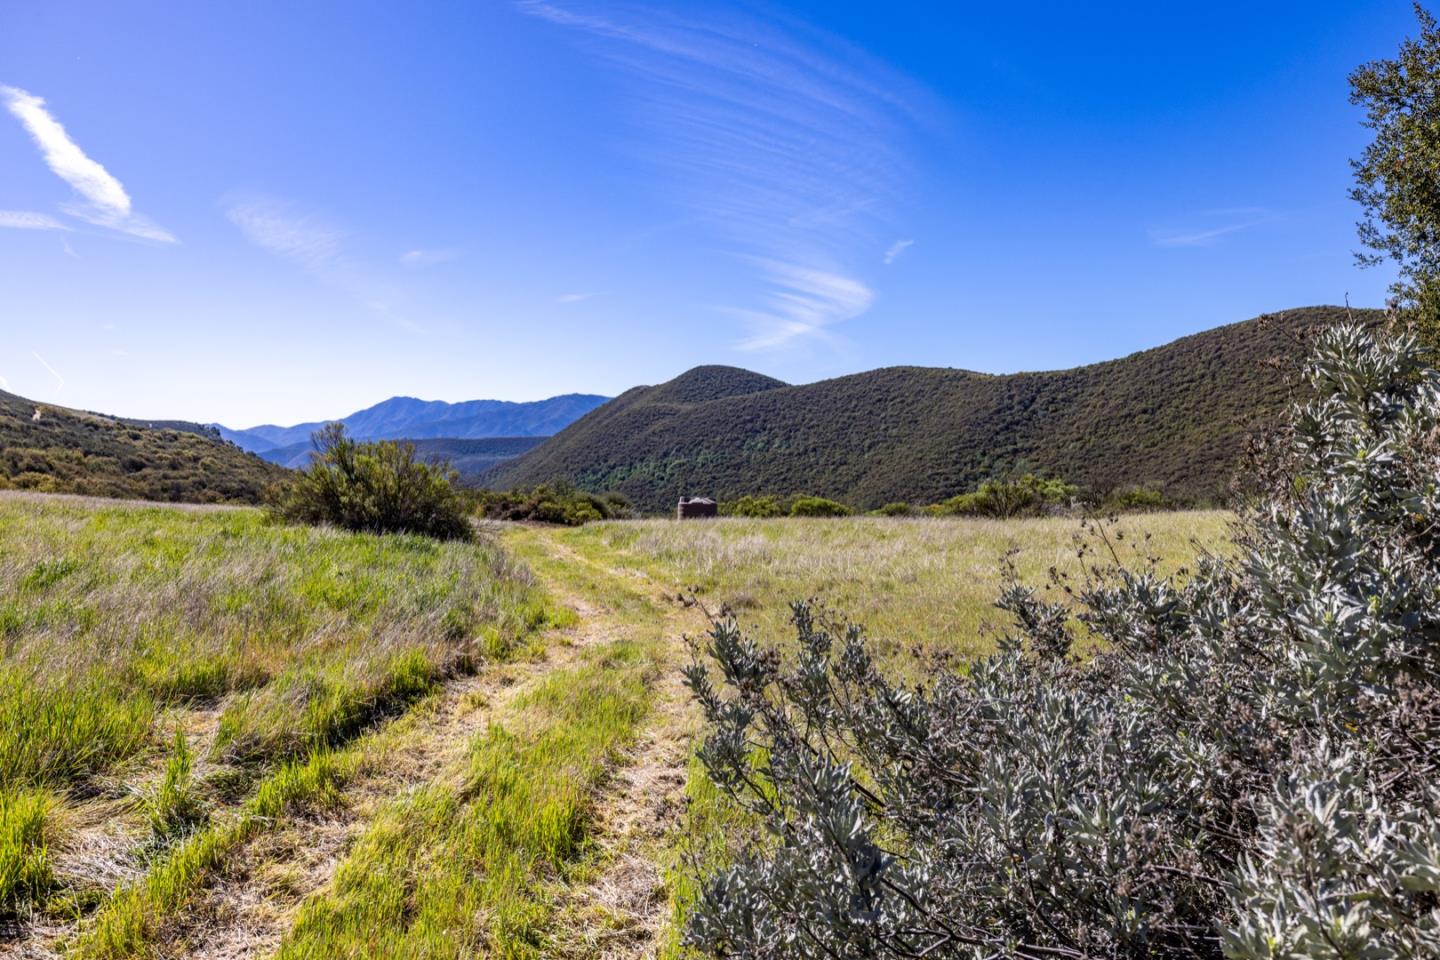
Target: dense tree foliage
point(71, 451)
point(376, 487)
point(1249, 767)
point(1173, 419)
point(1396, 179)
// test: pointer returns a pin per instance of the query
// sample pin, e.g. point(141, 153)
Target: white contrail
point(59, 380)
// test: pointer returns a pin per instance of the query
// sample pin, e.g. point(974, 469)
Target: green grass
point(466, 868)
point(25, 829)
point(114, 614)
point(174, 806)
point(271, 645)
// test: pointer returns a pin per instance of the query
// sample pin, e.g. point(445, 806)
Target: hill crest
point(79, 451)
point(1173, 417)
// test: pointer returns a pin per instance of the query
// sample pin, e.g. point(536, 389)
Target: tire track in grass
point(232, 889)
point(467, 865)
point(615, 903)
point(258, 897)
point(549, 822)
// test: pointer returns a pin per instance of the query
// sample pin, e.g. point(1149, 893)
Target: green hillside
point(73, 451)
point(1174, 418)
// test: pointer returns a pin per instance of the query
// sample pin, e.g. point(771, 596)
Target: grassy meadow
point(223, 735)
point(913, 583)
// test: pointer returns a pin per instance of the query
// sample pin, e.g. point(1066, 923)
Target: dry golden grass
point(923, 582)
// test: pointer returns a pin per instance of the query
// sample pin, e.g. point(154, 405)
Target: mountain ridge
point(471, 457)
point(410, 418)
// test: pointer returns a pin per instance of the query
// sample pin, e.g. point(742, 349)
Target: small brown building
point(692, 508)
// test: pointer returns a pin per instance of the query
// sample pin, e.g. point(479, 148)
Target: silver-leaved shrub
point(1250, 768)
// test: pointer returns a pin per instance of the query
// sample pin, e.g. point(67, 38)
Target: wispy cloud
point(573, 297)
point(104, 201)
point(314, 244)
point(897, 248)
point(784, 141)
point(415, 258)
point(59, 380)
point(802, 303)
point(274, 226)
point(1209, 227)
point(29, 220)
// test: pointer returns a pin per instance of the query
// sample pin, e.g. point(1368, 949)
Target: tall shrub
point(1251, 768)
point(377, 487)
point(1023, 496)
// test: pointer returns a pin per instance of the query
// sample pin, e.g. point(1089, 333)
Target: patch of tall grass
point(174, 806)
point(25, 828)
point(113, 614)
point(55, 734)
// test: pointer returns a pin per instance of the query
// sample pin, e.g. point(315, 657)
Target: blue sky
point(284, 212)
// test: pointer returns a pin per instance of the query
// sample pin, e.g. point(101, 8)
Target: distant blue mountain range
point(411, 419)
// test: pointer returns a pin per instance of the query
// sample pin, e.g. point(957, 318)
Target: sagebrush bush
point(557, 503)
point(1248, 769)
point(375, 487)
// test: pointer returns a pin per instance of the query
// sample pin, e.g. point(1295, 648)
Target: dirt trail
point(618, 909)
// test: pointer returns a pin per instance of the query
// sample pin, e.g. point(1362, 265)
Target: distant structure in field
point(693, 508)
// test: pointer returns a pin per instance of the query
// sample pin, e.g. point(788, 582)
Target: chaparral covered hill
point(74, 451)
point(1173, 418)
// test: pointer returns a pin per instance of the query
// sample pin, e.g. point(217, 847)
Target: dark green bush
point(1135, 499)
point(1247, 770)
point(897, 509)
point(818, 507)
point(376, 487)
point(557, 503)
point(753, 507)
point(1027, 496)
